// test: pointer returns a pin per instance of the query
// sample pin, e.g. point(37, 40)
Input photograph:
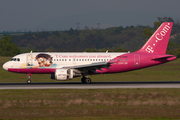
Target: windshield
point(15, 59)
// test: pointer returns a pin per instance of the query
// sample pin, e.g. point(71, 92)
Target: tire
point(87, 80)
point(28, 81)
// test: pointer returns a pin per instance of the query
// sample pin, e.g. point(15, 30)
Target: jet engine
point(62, 74)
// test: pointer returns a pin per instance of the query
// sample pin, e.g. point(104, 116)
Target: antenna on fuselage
point(106, 51)
point(31, 53)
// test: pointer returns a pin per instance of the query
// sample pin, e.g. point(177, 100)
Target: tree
point(156, 25)
point(119, 49)
point(165, 19)
point(147, 32)
point(71, 32)
point(7, 47)
point(86, 28)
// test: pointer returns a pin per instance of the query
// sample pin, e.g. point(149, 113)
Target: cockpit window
point(15, 59)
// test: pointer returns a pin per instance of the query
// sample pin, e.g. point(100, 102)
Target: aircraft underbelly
point(36, 71)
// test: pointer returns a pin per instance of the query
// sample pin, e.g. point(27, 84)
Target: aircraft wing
point(90, 67)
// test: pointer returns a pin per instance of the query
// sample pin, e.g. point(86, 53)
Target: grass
point(164, 72)
point(92, 104)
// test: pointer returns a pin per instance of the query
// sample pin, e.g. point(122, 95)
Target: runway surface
point(93, 85)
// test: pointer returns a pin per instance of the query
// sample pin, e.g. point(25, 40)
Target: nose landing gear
point(29, 78)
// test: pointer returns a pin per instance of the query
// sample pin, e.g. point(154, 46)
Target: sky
point(25, 15)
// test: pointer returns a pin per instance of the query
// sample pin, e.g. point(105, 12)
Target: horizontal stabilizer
point(162, 57)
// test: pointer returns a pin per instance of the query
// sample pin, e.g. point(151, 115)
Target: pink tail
point(158, 42)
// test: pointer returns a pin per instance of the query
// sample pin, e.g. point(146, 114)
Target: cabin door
point(136, 60)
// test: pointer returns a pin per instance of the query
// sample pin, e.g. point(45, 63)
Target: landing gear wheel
point(28, 81)
point(29, 78)
point(86, 80)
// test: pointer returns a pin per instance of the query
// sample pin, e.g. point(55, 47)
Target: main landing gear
point(29, 79)
point(86, 80)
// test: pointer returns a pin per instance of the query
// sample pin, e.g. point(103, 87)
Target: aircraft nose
point(5, 66)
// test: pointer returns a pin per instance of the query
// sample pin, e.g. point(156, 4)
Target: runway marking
point(94, 85)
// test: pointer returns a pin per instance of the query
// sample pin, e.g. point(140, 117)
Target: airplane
point(64, 66)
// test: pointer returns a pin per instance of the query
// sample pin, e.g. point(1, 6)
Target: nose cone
point(5, 66)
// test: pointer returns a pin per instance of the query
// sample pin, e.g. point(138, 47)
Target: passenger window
point(62, 59)
point(126, 59)
point(69, 59)
point(18, 59)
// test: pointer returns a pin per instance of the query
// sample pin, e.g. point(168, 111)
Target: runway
point(93, 85)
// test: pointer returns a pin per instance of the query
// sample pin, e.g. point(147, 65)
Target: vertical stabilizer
point(157, 43)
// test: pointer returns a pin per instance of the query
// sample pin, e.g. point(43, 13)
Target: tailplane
point(157, 43)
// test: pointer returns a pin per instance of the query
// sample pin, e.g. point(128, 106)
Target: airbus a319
point(64, 66)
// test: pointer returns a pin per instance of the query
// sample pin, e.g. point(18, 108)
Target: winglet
point(157, 43)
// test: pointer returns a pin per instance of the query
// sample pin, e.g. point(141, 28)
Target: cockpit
point(15, 59)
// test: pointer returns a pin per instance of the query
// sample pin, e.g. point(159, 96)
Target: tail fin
point(158, 42)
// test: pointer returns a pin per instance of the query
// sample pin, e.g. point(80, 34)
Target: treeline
point(129, 38)
point(115, 39)
point(7, 47)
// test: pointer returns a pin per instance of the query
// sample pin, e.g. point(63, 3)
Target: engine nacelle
point(62, 74)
